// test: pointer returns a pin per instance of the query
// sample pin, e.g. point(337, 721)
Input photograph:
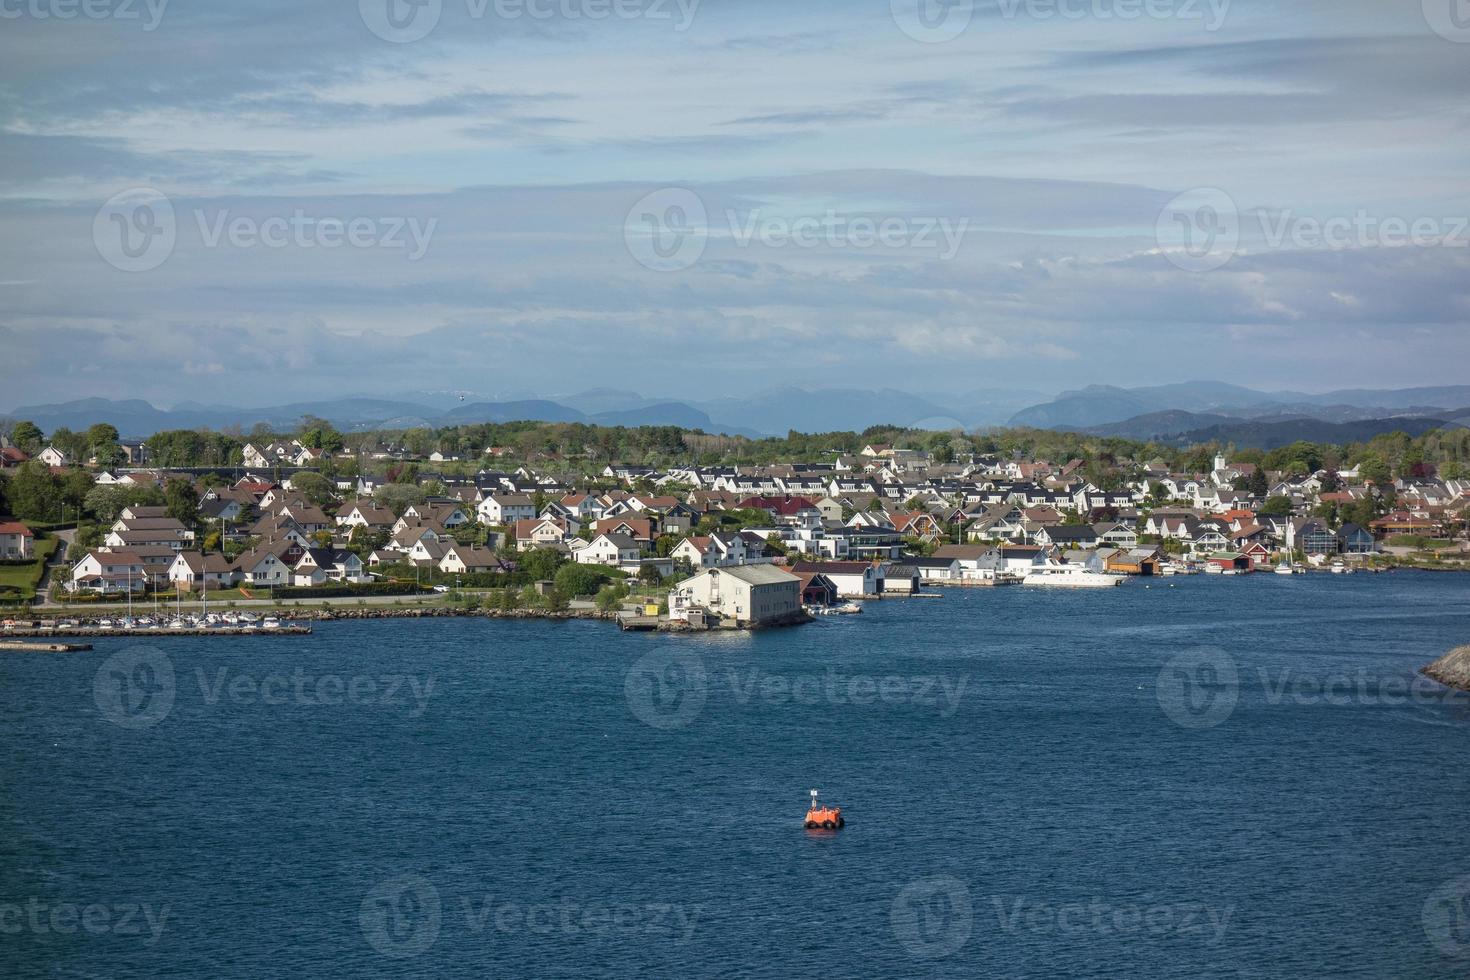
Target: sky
point(285, 200)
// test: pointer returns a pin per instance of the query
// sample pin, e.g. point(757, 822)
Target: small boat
point(270, 623)
point(177, 624)
point(104, 624)
point(820, 817)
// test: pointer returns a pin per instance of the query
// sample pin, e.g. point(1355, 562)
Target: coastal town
point(683, 545)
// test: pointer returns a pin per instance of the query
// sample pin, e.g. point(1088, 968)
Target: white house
point(506, 508)
point(16, 540)
point(265, 565)
point(717, 550)
point(109, 571)
point(611, 549)
point(320, 565)
point(192, 570)
point(749, 594)
point(52, 456)
point(852, 578)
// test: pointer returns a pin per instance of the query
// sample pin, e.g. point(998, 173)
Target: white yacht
point(1070, 576)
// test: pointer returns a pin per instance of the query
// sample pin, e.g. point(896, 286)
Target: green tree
point(102, 443)
point(649, 574)
point(182, 501)
point(314, 487)
point(610, 598)
point(1277, 506)
point(34, 493)
point(540, 564)
point(577, 580)
point(27, 436)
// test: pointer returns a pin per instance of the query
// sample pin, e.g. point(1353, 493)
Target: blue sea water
point(1207, 777)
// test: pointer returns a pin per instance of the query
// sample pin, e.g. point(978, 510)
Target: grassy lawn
point(27, 576)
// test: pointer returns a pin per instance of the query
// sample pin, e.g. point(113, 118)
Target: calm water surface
point(1210, 777)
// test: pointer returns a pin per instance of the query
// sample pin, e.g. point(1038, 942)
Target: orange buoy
point(820, 817)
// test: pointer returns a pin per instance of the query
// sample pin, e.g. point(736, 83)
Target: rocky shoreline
point(1451, 670)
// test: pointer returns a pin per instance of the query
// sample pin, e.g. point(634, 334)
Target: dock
point(25, 646)
point(153, 632)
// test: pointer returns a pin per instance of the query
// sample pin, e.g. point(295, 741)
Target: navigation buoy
point(820, 817)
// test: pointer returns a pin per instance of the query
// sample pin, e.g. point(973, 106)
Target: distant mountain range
point(1178, 414)
point(771, 412)
point(1189, 428)
point(1098, 405)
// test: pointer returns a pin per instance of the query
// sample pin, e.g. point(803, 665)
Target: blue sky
point(1070, 192)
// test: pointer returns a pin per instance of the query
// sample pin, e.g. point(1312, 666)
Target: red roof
point(15, 527)
point(785, 506)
